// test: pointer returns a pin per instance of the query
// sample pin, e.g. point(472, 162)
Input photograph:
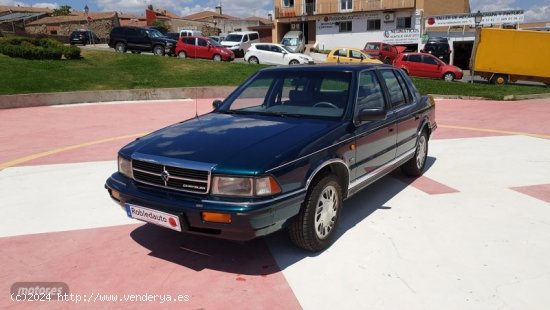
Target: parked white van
point(190, 33)
point(240, 41)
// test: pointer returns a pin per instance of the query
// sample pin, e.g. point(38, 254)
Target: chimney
point(219, 9)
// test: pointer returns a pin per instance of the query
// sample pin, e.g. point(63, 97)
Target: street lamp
point(477, 20)
point(91, 38)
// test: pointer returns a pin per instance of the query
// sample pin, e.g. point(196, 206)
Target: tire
point(387, 61)
point(182, 54)
point(314, 229)
point(158, 50)
point(253, 60)
point(449, 77)
point(294, 62)
point(499, 79)
point(120, 47)
point(217, 57)
point(415, 166)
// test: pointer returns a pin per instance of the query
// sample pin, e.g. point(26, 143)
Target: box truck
point(508, 55)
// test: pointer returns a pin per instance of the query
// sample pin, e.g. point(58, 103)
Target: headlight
point(245, 186)
point(125, 167)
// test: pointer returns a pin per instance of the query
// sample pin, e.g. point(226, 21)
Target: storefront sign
point(402, 36)
point(489, 18)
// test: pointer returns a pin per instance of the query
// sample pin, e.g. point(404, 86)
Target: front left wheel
point(217, 57)
point(315, 227)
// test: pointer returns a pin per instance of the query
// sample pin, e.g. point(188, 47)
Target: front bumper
point(249, 220)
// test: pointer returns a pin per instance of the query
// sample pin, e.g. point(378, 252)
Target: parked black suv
point(136, 39)
point(83, 37)
point(439, 47)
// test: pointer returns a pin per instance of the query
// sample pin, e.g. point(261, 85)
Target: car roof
point(346, 48)
point(328, 67)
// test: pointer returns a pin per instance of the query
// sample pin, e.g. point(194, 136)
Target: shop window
point(373, 24)
point(345, 26)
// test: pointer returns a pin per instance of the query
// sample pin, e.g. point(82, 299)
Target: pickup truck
point(283, 151)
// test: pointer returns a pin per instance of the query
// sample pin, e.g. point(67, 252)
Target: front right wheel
point(314, 229)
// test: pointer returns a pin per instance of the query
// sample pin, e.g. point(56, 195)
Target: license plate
point(159, 218)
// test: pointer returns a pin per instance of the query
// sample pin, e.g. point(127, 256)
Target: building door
point(462, 51)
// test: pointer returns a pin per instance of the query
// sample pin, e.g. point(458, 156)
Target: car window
point(395, 89)
point(387, 47)
point(355, 54)
point(202, 42)
point(275, 49)
point(341, 53)
point(406, 90)
point(245, 38)
point(429, 60)
point(262, 47)
point(414, 58)
point(253, 96)
point(234, 38)
point(253, 36)
point(369, 93)
point(132, 32)
point(190, 41)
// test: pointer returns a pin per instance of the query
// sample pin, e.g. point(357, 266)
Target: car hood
point(236, 144)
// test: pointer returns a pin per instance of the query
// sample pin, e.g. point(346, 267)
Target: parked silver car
point(295, 41)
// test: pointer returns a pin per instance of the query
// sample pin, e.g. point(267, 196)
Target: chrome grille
point(178, 178)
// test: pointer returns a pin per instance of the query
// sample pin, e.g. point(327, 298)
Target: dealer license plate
point(159, 218)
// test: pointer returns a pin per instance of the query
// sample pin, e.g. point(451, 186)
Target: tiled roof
point(78, 17)
point(127, 16)
point(209, 15)
point(6, 8)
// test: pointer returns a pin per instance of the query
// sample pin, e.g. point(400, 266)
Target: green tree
point(62, 10)
point(161, 24)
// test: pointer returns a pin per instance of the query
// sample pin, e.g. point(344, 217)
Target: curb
point(48, 99)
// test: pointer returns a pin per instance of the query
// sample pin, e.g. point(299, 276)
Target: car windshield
point(372, 46)
point(309, 94)
point(234, 38)
point(214, 42)
point(290, 41)
point(154, 33)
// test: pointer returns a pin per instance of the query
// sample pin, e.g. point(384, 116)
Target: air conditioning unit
point(389, 17)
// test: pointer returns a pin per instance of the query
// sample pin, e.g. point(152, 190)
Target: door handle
point(390, 129)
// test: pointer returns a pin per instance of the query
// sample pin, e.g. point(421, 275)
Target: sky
point(535, 10)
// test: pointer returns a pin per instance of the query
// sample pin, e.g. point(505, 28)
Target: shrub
point(39, 48)
point(71, 52)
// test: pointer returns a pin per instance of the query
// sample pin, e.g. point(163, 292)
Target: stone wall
point(102, 28)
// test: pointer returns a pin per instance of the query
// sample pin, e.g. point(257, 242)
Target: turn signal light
point(216, 217)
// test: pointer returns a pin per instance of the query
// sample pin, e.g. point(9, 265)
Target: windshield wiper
point(280, 114)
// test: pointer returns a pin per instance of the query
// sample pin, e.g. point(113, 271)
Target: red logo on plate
point(431, 21)
point(172, 222)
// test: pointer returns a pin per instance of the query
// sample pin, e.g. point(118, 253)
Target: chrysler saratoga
point(283, 151)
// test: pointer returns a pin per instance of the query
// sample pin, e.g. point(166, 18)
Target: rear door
point(404, 109)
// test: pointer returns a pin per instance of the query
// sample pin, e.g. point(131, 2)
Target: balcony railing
point(335, 6)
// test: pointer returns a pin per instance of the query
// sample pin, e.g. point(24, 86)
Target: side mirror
point(362, 57)
point(216, 103)
point(372, 115)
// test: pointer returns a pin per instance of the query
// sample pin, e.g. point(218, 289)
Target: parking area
point(472, 233)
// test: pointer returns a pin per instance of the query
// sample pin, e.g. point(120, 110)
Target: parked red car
point(427, 65)
point(202, 47)
point(383, 51)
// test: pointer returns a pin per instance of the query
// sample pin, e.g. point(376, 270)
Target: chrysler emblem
point(164, 175)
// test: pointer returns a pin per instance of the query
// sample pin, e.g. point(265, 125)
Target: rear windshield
point(372, 46)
